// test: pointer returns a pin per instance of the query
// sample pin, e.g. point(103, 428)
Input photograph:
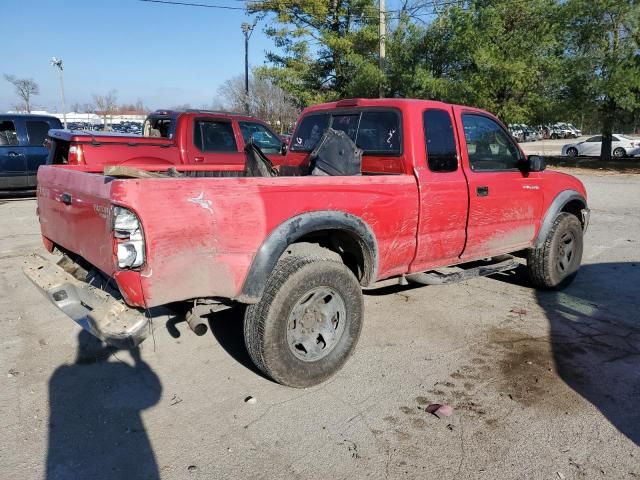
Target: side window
point(262, 136)
point(597, 138)
point(309, 132)
point(615, 139)
point(8, 134)
point(212, 136)
point(346, 123)
point(379, 133)
point(440, 141)
point(37, 132)
point(488, 145)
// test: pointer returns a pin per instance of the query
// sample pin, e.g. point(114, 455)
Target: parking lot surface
point(543, 385)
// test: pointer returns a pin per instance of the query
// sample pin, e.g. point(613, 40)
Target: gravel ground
point(544, 385)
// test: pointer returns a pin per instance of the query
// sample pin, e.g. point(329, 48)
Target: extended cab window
point(212, 136)
point(262, 137)
point(488, 145)
point(440, 141)
point(8, 135)
point(37, 132)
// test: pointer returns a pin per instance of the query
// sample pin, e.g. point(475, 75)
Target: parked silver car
point(621, 146)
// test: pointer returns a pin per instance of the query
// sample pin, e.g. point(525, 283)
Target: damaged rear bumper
point(92, 308)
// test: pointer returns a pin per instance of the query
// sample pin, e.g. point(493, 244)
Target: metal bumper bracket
point(92, 308)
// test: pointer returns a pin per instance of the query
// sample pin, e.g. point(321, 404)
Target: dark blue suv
point(22, 148)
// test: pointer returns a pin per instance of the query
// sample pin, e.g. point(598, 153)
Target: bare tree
point(106, 105)
point(265, 101)
point(25, 89)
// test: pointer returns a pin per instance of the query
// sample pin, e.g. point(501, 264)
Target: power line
point(188, 4)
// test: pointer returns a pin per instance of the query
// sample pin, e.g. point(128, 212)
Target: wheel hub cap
point(565, 253)
point(316, 324)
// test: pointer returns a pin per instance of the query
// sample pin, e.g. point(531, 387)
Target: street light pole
point(247, 30)
point(57, 62)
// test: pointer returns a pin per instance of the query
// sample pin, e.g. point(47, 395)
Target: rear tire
point(619, 152)
point(555, 264)
point(307, 323)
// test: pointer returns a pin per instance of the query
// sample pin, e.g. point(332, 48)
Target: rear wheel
point(619, 152)
point(307, 323)
point(555, 264)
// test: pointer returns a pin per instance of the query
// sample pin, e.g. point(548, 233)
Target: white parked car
point(621, 146)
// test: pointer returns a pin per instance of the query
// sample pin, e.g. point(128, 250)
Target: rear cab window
point(159, 126)
point(377, 132)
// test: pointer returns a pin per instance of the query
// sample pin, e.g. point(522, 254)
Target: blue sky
point(164, 55)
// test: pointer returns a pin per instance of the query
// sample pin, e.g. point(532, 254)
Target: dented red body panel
point(202, 234)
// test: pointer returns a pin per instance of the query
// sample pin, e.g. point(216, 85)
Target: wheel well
point(344, 245)
point(574, 207)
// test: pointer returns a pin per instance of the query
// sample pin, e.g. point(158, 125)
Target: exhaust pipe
point(196, 323)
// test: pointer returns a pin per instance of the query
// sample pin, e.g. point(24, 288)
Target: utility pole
point(57, 62)
point(383, 35)
point(247, 30)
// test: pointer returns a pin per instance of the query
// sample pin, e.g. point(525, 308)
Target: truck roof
point(7, 116)
point(176, 113)
point(378, 102)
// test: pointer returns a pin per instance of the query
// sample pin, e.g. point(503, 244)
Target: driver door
point(504, 202)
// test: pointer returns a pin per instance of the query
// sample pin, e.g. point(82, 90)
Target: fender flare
point(561, 200)
point(296, 227)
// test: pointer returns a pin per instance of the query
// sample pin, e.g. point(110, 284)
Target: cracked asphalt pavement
point(543, 385)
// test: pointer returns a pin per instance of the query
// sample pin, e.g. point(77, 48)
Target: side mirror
point(284, 148)
point(536, 163)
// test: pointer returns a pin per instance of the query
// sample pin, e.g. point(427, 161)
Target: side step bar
point(496, 265)
point(92, 308)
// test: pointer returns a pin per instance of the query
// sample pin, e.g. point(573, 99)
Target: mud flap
point(92, 308)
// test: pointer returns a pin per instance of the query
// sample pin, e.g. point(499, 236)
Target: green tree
point(603, 61)
point(325, 49)
point(499, 55)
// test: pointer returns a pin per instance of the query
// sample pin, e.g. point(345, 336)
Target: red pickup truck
point(440, 185)
point(196, 137)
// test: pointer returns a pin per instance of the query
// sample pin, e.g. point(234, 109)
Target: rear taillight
point(128, 238)
point(76, 155)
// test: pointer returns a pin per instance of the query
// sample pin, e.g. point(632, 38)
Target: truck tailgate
point(74, 209)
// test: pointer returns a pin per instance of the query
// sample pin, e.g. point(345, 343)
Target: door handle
point(14, 154)
point(65, 198)
point(198, 159)
point(482, 191)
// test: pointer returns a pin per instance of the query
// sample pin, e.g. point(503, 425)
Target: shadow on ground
point(595, 338)
point(227, 327)
point(95, 425)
